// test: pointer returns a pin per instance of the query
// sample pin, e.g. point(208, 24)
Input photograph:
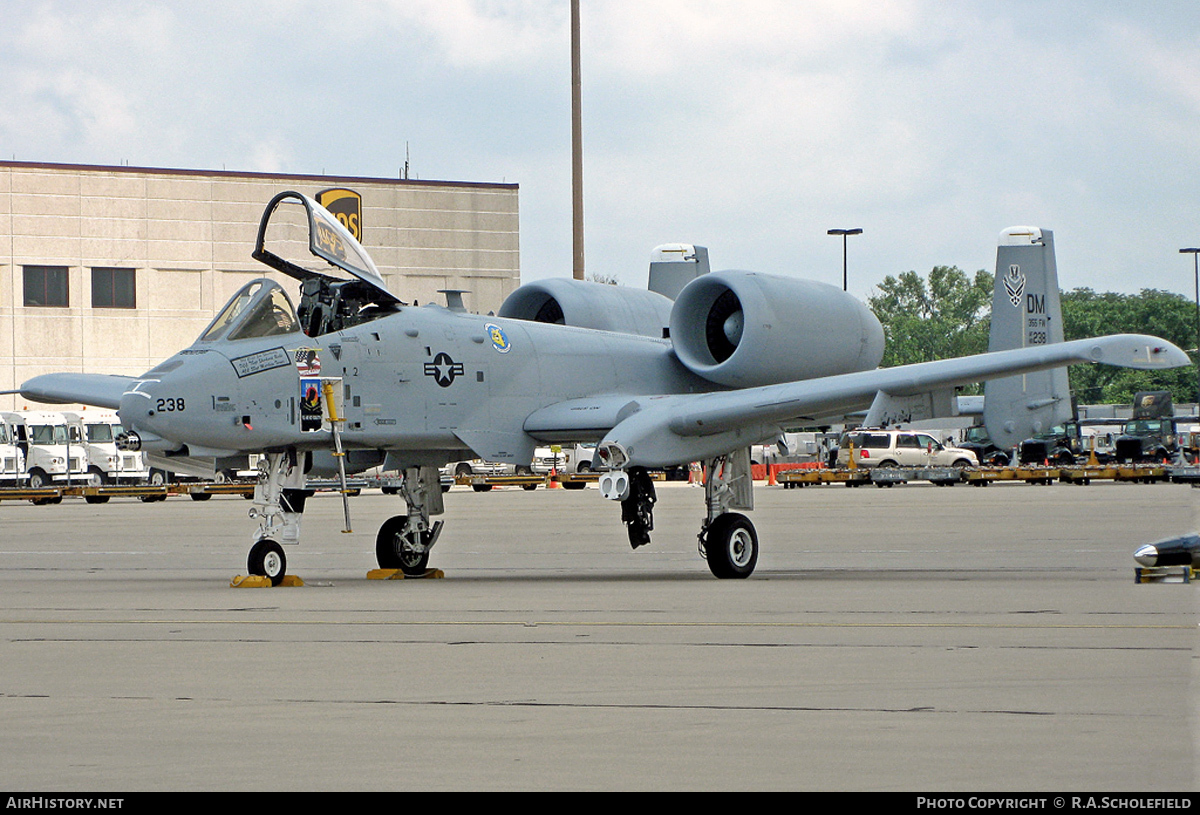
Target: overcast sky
point(747, 126)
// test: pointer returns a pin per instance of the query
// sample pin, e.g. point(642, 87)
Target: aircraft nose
point(166, 404)
point(137, 413)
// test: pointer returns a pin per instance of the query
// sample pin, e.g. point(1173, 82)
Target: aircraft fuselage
point(421, 379)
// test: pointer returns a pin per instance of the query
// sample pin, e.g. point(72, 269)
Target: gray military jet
point(354, 372)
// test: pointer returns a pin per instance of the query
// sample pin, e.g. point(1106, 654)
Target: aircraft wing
point(97, 390)
point(664, 430)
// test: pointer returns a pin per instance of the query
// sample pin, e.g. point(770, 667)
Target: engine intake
point(744, 329)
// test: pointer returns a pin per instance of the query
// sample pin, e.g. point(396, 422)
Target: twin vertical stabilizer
point(674, 265)
point(1025, 312)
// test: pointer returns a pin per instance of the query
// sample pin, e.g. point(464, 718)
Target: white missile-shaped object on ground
point(1181, 551)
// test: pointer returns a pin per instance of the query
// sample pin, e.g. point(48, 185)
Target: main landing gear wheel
point(731, 546)
point(267, 560)
point(394, 550)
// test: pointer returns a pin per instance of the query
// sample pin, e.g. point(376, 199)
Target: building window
point(113, 288)
point(46, 286)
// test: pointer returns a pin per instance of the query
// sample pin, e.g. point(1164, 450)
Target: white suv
point(901, 448)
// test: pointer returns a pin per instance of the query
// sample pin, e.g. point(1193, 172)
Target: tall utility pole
point(576, 145)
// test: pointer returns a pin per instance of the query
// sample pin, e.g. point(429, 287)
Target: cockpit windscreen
point(259, 309)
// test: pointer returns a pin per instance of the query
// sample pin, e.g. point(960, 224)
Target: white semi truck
point(12, 459)
point(53, 450)
point(105, 464)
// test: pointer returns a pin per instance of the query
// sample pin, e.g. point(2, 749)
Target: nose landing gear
point(279, 500)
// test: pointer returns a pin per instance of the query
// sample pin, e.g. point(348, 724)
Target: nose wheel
point(266, 559)
point(279, 498)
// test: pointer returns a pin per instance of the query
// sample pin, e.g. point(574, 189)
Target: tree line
point(948, 314)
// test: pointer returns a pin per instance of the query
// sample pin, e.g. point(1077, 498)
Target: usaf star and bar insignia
point(443, 369)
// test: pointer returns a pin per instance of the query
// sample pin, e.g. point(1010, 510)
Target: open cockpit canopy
point(296, 226)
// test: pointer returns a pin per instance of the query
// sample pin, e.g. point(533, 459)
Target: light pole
point(1195, 253)
point(844, 233)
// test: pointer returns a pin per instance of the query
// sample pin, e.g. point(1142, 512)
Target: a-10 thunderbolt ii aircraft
point(734, 358)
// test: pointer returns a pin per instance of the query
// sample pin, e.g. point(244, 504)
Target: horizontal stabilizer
point(889, 409)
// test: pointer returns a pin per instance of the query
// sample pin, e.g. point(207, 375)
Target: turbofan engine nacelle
point(584, 304)
point(744, 329)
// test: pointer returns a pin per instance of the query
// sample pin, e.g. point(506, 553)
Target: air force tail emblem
point(1014, 284)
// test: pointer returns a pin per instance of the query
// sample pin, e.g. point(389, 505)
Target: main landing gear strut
point(727, 539)
point(404, 541)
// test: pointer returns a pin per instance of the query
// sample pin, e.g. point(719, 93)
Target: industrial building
point(113, 269)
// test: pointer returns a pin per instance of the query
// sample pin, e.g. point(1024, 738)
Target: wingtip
point(1139, 351)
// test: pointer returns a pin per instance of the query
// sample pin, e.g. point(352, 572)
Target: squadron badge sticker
point(498, 337)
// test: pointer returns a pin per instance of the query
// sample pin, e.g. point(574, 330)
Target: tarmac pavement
point(918, 638)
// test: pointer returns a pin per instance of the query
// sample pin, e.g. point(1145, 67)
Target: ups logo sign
point(346, 206)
